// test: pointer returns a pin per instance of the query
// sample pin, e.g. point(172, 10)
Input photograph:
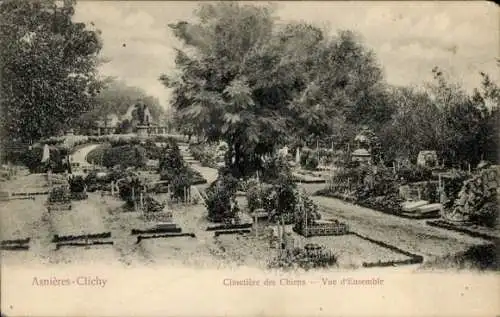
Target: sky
point(409, 38)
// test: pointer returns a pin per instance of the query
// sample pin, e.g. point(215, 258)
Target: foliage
point(477, 199)
point(152, 205)
point(96, 156)
point(48, 68)
point(414, 174)
point(125, 156)
point(32, 159)
point(59, 194)
point(205, 154)
point(274, 168)
point(257, 84)
point(219, 196)
point(76, 184)
point(460, 127)
point(309, 159)
point(130, 190)
point(305, 259)
point(116, 98)
point(94, 182)
point(174, 169)
point(171, 158)
point(282, 200)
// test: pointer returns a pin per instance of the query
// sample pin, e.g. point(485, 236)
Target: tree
point(344, 82)
point(218, 85)
point(443, 117)
point(255, 84)
point(48, 68)
point(115, 98)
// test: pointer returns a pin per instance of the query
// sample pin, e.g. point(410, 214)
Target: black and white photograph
point(327, 145)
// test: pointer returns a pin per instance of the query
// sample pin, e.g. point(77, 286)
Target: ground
point(97, 214)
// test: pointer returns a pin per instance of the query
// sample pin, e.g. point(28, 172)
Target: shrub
point(32, 159)
point(415, 174)
point(174, 170)
point(274, 168)
point(125, 156)
point(305, 259)
point(171, 157)
point(219, 196)
point(206, 155)
point(309, 159)
point(97, 155)
point(130, 190)
point(281, 200)
point(76, 184)
point(60, 194)
point(178, 179)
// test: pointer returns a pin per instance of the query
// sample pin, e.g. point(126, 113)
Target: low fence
point(322, 229)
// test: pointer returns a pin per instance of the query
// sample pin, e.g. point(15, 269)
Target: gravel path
point(80, 155)
point(407, 234)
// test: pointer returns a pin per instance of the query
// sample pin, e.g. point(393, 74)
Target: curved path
point(80, 155)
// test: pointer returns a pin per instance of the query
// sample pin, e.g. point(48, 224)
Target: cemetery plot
point(179, 251)
point(352, 250)
point(15, 244)
point(81, 226)
point(18, 219)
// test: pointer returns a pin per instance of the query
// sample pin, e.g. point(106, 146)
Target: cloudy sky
point(409, 38)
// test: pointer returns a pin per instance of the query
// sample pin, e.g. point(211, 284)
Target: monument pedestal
point(142, 131)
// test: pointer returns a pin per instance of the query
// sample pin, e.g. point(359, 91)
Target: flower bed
point(309, 257)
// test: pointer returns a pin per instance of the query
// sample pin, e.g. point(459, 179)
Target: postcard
point(290, 158)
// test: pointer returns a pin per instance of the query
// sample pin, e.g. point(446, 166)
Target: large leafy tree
point(443, 117)
point(48, 67)
point(255, 84)
point(222, 87)
point(344, 87)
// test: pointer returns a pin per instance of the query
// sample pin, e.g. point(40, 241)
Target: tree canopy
point(48, 68)
point(255, 83)
point(461, 127)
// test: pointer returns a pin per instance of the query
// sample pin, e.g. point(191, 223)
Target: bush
point(96, 156)
point(130, 190)
point(281, 200)
point(415, 174)
point(76, 184)
point(174, 170)
point(103, 183)
point(206, 155)
point(171, 158)
point(219, 196)
point(274, 168)
point(125, 156)
point(32, 160)
point(179, 180)
point(309, 159)
point(304, 259)
point(60, 194)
